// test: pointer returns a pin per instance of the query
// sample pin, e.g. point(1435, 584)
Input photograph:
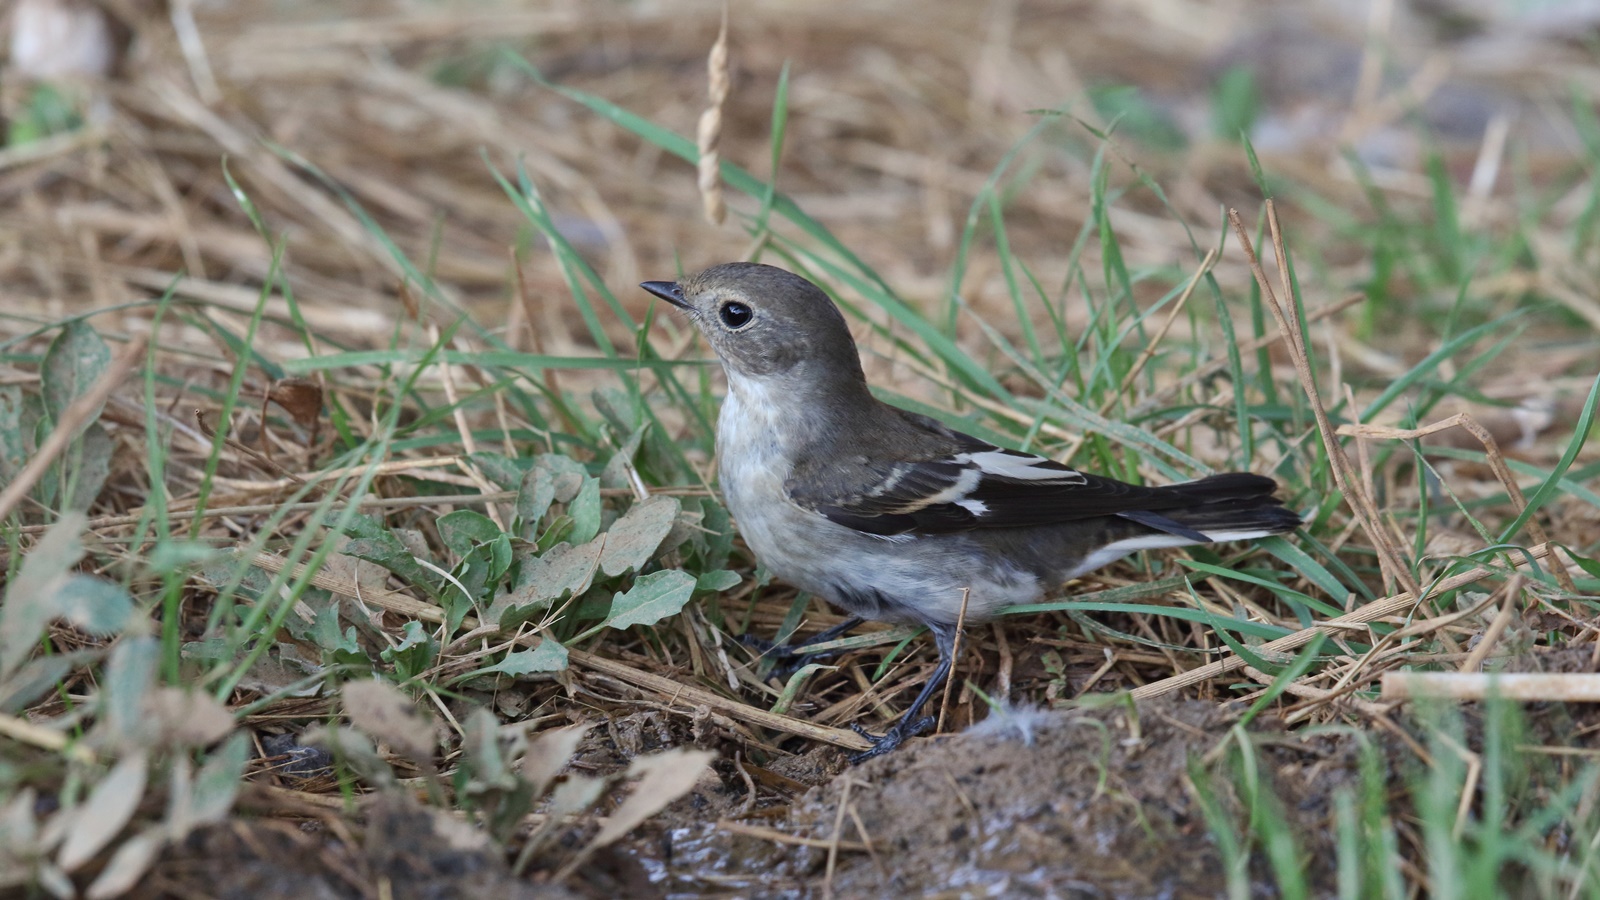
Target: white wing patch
point(956, 492)
point(1018, 467)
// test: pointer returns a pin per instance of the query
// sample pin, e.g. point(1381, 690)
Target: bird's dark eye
point(735, 314)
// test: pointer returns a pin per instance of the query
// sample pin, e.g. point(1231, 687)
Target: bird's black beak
point(668, 291)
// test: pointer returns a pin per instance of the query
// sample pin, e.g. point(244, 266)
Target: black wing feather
point(975, 484)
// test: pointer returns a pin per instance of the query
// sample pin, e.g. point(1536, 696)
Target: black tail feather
point(1230, 502)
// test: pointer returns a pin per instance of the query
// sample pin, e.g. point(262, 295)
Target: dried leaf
point(382, 711)
point(549, 754)
point(102, 817)
point(19, 838)
point(127, 866)
point(652, 598)
point(301, 398)
point(185, 718)
point(664, 777)
point(576, 794)
point(634, 538)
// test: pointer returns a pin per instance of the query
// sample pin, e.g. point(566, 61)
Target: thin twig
point(779, 837)
point(1497, 627)
point(955, 659)
point(833, 844)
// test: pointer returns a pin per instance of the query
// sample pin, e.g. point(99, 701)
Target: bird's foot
point(787, 658)
point(890, 739)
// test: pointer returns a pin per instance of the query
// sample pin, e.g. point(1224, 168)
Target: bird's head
point(765, 323)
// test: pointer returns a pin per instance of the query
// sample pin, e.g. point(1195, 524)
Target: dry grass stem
point(686, 695)
point(1497, 463)
point(1538, 687)
point(1370, 612)
point(710, 130)
point(780, 837)
point(1497, 626)
point(1285, 311)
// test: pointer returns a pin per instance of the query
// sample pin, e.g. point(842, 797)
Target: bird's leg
point(787, 658)
point(908, 725)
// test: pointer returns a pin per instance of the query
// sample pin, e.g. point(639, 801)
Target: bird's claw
point(890, 739)
point(761, 645)
point(786, 659)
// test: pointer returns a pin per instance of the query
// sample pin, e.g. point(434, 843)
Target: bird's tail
point(1235, 506)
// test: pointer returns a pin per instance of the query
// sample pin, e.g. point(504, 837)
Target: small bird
point(894, 516)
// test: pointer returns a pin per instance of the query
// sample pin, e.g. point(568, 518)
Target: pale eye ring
point(735, 315)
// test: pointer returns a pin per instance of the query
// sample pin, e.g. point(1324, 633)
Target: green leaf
point(561, 572)
point(29, 604)
point(218, 782)
point(130, 675)
point(328, 636)
point(534, 495)
point(791, 688)
point(714, 582)
point(464, 529)
point(505, 473)
point(95, 605)
point(585, 512)
point(86, 466)
point(567, 472)
point(373, 542)
point(634, 538)
point(38, 676)
point(549, 656)
point(615, 473)
point(652, 598)
point(14, 430)
point(76, 358)
point(415, 652)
